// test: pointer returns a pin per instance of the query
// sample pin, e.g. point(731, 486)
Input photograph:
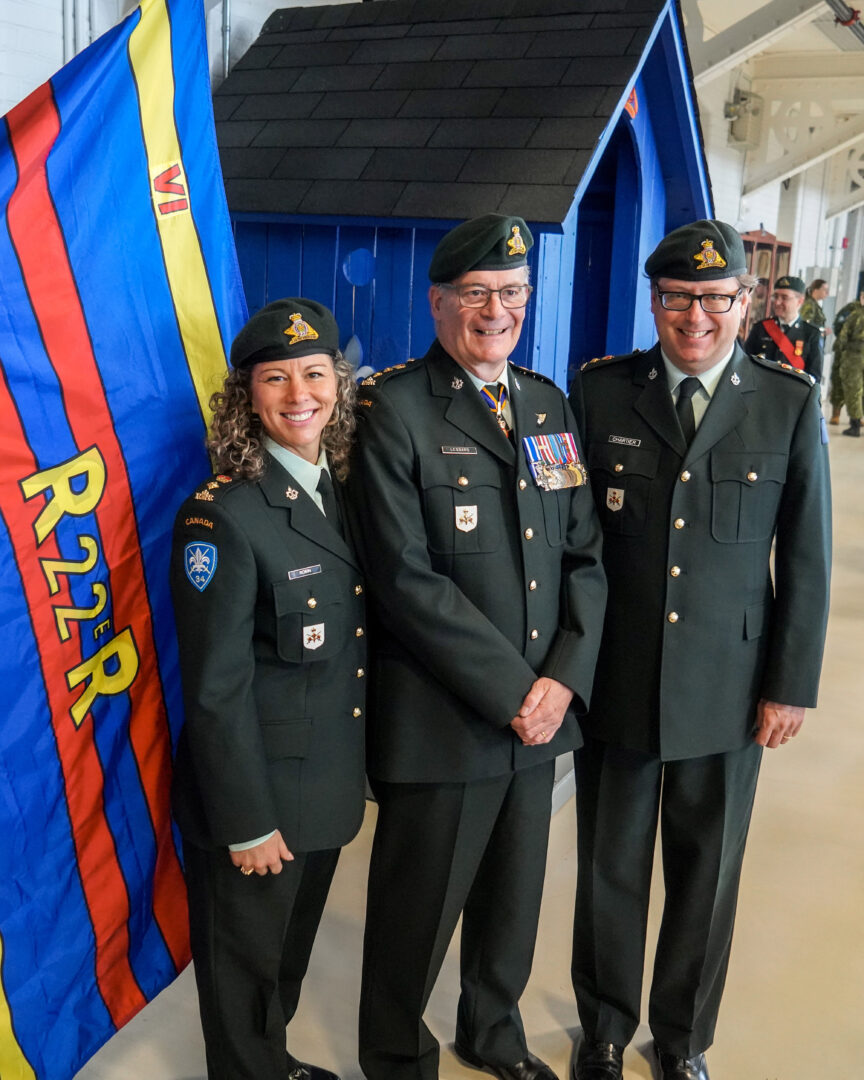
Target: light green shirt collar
point(304, 472)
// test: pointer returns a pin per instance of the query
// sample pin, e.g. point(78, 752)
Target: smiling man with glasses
point(699, 457)
point(785, 337)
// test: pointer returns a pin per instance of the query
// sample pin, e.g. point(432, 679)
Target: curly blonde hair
point(235, 439)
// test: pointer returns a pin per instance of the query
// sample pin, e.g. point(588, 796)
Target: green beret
point(702, 251)
point(286, 328)
point(794, 283)
point(490, 242)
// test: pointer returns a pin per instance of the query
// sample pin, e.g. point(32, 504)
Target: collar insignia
point(735, 379)
point(291, 493)
point(457, 383)
point(708, 258)
point(541, 419)
point(652, 374)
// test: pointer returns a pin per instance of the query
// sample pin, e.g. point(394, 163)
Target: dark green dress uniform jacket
point(696, 632)
point(271, 739)
point(468, 616)
point(760, 343)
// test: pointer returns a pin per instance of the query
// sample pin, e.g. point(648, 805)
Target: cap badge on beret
point(299, 330)
point(708, 258)
point(515, 244)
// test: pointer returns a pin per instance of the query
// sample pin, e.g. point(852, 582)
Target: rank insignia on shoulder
point(212, 485)
point(204, 496)
point(313, 636)
point(708, 258)
point(466, 518)
point(223, 479)
point(299, 330)
point(291, 493)
point(457, 383)
point(368, 381)
point(200, 563)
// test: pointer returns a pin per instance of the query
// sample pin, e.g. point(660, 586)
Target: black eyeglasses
point(713, 303)
point(477, 296)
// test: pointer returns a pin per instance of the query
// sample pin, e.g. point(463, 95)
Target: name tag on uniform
point(554, 461)
point(458, 449)
point(622, 440)
point(305, 571)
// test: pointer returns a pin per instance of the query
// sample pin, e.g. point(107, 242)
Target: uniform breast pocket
point(622, 478)
point(310, 622)
point(461, 504)
point(746, 490)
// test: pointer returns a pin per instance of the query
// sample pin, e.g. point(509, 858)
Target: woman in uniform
point(268, 598)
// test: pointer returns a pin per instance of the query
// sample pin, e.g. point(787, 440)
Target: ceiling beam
point(851, 201)
point(839, 137)
point(815, 65)
point(743, 39)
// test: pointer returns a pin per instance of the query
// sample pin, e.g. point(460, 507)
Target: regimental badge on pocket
point(313, 636)
point(614, 498)
point(466, 518)
point(554, 461)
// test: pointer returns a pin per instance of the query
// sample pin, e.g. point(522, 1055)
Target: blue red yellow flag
point(119, 290)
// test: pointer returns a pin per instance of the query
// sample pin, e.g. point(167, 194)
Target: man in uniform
point(851, 345)
point(699, 457)
point(785, 336)
point(486, 579)
point(836, 390)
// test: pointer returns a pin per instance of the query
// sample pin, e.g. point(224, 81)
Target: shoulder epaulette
point(376, 377)
point(211, 489)
point(781, 365)
point(536, 375)
point(601, 361)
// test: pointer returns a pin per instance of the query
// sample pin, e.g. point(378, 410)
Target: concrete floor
point(794, 1002)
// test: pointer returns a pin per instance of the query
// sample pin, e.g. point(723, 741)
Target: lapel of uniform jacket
point(654, 401)
point(727, 407)
point(281, 489)
point(465, 407)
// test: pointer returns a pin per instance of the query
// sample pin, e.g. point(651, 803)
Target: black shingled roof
point(422, 109)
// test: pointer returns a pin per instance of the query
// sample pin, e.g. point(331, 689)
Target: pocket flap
point(624, 460)
point(291, 597)
point(458, 471)
point(748, 467)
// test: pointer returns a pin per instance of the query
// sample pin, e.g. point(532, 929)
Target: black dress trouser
point(251, 941)
point(440, 850)
point(704, 806)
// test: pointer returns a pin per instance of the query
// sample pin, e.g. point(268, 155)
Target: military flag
point(119, 290)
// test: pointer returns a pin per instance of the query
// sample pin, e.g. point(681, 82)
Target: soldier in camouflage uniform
point(851, 343)
point(811, 309)
point(836, 391)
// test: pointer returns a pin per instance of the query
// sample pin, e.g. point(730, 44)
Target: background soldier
point(851, 344)
point(785, 337)
point(836, 389)
point(704, 662)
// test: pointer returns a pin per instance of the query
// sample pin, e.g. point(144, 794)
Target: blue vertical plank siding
point(250, 238)
point(284, 262)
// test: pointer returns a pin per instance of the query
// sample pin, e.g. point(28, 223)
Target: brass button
point(358, 632)
point(751, 476)
point(360, 672)
point(523, 483)
point(358, 589)
point(675, 571)
point(532, 584)
point(685, 476)
point(462, 481)
point(529, 533)
point(357, 710)
point(679, 523)
point(619, 467)
point(672, 616)
point(312, 602)
point(535, 634)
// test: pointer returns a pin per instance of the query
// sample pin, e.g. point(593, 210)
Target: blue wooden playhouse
point(353, 136)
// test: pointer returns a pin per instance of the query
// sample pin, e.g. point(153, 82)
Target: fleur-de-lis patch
point(466, 518)
point(313, 636)
point(200, 563)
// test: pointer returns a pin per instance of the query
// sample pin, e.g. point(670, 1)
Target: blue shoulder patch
point(200, 562)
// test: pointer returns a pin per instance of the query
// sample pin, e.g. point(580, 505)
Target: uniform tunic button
point(358, 632)
point(680, 523)
point(360, 672)
point(535, 634)
point(357, 711)
point(685, 476)
point(532, 585)
point(672, 616)
point(529, 533)
point(462, 481)
point(312, 602)
point(675, 571)
point(619, 467)
point(523, 483)
point(751, 476)
point(358, 589)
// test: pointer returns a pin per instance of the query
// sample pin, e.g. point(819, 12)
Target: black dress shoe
point(301, 1070)
point(680, 1068)
point(529, 1068)
point(599, 1061)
